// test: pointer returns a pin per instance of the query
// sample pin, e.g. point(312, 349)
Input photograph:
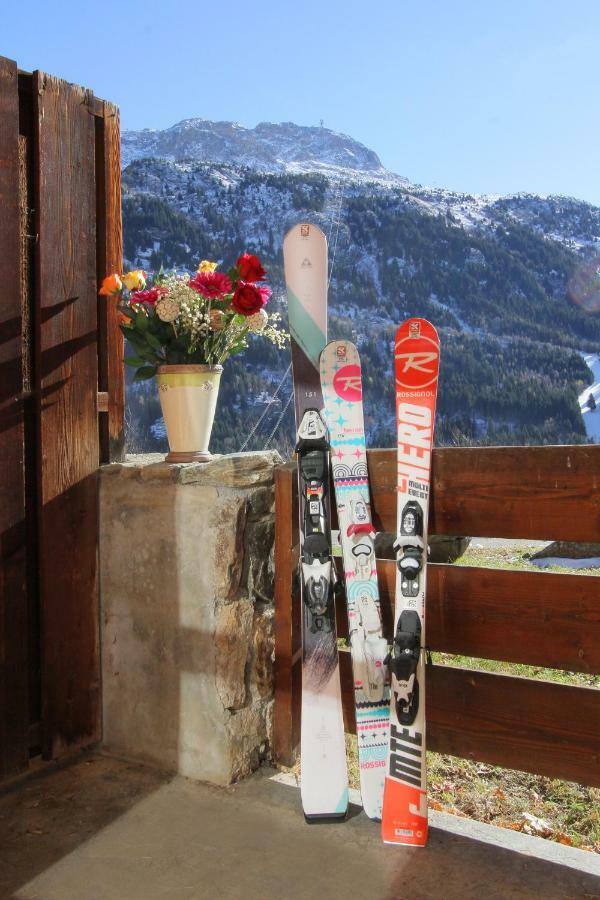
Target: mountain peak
point(267, 147)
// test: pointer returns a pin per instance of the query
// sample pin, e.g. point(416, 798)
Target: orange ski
point(417, 351)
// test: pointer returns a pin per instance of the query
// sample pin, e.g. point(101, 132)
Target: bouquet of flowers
point(205, 318)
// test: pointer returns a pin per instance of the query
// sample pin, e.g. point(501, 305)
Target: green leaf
point(142, 322)
point(134, 361)
point(153, 340)
point(138, 340)
point(144, 373)
point(127, 311)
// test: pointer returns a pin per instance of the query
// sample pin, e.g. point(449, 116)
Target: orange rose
point(111, 285)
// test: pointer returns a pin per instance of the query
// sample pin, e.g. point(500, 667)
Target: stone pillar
point(186, 567)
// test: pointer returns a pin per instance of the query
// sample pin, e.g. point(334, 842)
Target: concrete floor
point(103, 829)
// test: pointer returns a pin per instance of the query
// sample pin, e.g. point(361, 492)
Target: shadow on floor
point(102, 829)
point(47, 815)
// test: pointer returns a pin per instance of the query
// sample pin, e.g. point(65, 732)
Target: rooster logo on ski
point(416, 368)
point(347, 383)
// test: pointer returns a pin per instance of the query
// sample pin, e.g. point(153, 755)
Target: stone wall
point(186, 562)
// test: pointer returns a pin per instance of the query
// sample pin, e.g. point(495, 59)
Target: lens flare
point(584, 286)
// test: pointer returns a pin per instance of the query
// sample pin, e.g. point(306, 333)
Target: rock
point(237, 470)
point(234, 470)
point(248, 733)
point(233, 637)
point(533, 825)
point(229, 522)
point(261, 502)
point(260, 537)
point(186, 573)
point(263, 651)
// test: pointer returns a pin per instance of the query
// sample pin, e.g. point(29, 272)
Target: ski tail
point(404, 819)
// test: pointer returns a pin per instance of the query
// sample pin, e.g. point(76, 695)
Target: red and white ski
point(417, 351)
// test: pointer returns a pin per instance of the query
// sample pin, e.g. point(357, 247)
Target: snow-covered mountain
point(495, 274)
point(266, 148)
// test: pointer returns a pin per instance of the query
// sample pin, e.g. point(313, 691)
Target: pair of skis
point(327, 378)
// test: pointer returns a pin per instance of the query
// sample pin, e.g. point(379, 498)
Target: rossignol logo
point(347, 383)
point(416, 368)
point(406, 756)
point(340, 351)
point(414, 329)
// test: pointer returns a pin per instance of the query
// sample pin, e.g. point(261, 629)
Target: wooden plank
point(284, 720)
point(546, 493)
point(535, 618)
point(505, 721)
point(67, 385)
point(14, 711)
point(536, 726)
point(109, 256)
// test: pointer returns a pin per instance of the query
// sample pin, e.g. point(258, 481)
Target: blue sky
point(488, 97)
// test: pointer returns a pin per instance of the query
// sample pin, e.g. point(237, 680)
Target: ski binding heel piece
point(317, 593)
point(402, 663)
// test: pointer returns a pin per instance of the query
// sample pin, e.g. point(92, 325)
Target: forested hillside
point(493, 275)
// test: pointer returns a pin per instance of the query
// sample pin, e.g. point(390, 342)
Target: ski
point(341, 383)
point(323, 778)
point(417, 349)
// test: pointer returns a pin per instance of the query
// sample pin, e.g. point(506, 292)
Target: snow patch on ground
point(592, 562)
point(591, 417)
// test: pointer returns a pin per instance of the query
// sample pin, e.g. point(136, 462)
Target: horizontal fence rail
point(534, 618)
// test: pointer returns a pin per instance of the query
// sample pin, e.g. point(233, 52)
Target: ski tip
point(304, 230)
point(417, 328)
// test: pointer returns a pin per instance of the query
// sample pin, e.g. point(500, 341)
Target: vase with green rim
point(188, 398)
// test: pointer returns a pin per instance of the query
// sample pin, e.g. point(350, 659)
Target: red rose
point(150, 296)
point(250, 268)
point(213, 285)
point(248, 298)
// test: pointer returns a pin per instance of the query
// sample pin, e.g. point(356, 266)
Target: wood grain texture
point(505, 721)
point(536, 618)
point(515, 722)
point(109, 258)
point(67, 386)
point(546, 493)
point(284, 724)
point(14, 692)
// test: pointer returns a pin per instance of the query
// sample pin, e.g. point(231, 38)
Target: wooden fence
point(541, 619)
point(61, 403)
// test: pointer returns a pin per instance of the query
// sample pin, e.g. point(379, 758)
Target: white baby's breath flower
point(257, 321)
point(167, 309)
